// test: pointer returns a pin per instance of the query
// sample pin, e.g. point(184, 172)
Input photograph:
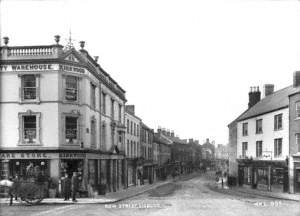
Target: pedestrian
point(66, 187)
point(10, 191)
point(75, 184)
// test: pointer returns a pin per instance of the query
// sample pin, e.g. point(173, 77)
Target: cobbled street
point(184, 197)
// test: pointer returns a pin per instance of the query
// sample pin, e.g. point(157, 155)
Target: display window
point(26, 169)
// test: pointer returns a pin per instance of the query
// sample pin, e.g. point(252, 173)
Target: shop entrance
point(70, 166)
point(297, 180)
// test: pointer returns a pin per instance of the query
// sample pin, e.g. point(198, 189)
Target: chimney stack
point(296, 82)
point(268, 89)
point(254, 96)
point(172, 133)
point(130, 109)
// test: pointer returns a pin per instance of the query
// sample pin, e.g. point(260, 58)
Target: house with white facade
point(61, 113)
point(260, 140)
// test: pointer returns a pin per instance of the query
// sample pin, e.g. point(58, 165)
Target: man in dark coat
point(66, 187)
point(75, 185)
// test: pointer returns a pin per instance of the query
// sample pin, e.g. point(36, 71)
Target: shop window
point(258, 148)
point(30, 87)
point(259, 129)
point(29, 128)
point(278, 122)
point(262, 176)
point(71, 89)
point(278, 147)
point(245, 129)
point(247, 175)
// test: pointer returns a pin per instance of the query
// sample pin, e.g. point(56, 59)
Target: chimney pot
point(254, 96)
point(57, 39)
point(5, 40)
point(82, 43)
point(96, 58)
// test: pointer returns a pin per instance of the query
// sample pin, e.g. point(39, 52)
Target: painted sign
point(41, 67)
point(267, 155)
point(27, 67)
point(72, 155)
point(24, 156)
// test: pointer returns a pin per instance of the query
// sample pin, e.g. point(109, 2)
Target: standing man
point(66, 187)
point(75, 185)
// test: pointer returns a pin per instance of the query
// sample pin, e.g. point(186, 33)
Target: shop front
point(93, 168)
point(263, 175)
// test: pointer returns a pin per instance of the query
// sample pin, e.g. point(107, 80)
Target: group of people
point(70, 186)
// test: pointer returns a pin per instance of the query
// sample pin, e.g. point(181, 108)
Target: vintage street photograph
point(149, 108)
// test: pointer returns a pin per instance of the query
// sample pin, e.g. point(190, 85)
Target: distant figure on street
point(75, 185)
point(66, 187)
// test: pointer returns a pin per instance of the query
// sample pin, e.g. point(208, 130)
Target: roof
point(277, 100)
point(161, 139)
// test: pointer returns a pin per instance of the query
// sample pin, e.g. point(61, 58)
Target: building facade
point(62, 113)
point(148, 165)
point(266, 140)
point(132, 144)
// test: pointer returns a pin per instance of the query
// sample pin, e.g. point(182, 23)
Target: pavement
point(110, 197)
point(240, 189)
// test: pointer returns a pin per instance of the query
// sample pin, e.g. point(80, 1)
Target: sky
point(186, 65)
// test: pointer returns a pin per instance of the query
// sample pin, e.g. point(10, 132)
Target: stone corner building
point(264, 141)
point(62, 112)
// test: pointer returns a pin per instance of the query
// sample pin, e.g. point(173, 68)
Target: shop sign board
point(32, 155)
point(72, 155)
point(267, 155)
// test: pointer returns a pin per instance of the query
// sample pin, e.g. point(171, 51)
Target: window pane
point(29, 81)
point(71, 88)
point(29, 127)
point(71, 128)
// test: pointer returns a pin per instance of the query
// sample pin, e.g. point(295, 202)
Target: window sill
point(298, 118)
point(23, 143)
point(280, 129)
point(30, 102)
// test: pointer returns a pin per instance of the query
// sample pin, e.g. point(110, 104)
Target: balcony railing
point(30, 51)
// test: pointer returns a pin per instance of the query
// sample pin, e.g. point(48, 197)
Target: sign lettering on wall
point(26, 67)
point(72, 155)
point(41, 67)
point(23, 155)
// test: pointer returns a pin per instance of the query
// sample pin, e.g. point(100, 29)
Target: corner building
point(62, 112)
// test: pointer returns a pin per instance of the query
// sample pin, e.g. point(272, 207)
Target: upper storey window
point(71, 90)
point(298, 109)
point(278, 122)
point(245, 129)
point(29, 87)
point(259, 128)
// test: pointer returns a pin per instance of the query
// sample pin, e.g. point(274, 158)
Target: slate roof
point(277, 100)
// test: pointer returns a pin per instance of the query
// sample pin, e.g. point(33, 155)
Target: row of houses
point(61, 112)
point(264, 141)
